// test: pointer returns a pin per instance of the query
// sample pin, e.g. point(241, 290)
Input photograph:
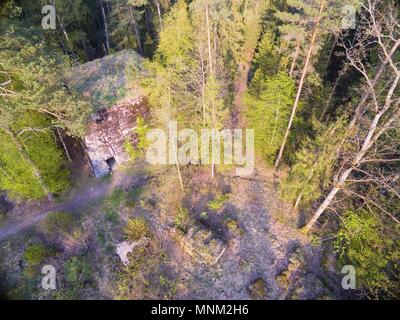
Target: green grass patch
point(77, 271)
point(57, 223)
point(218, 202)
point(112, 203)
point(136, 228)
point(133, 197)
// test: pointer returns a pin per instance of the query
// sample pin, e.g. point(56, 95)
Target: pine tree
point(314, 164)
point(268, 106)
point(169, 85)
point(126, 18)
point(34, 102)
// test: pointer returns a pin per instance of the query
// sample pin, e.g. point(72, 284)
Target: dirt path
point(238, 114)
point(80, 198)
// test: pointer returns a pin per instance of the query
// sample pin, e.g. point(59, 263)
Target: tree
point(127, 15)
point(301, 83)
point(381, 110)
point(367, 244)
point(317, 22)
point(72, 17)
point(169, 86)
point(34, 101)
point(314, 164)
point(268, 103)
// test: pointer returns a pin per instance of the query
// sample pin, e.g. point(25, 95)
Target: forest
point(317, 81)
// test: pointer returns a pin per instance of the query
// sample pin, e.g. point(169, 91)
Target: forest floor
point(26, 215)
point(263, 258)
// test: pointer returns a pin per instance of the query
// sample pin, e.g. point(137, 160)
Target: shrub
point(111, 204)
point(111, 216)
point(57, 222)
point(77, 270)
point(115, 199)
point(218, 202)
point(136, 228)
point(182, 219)
point(362, 242)
point(204, 215)
point(133, 196)
point(130, 150)
point(2, 217)
point(35, 254)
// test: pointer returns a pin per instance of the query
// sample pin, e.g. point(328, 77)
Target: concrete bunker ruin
point(111, 86)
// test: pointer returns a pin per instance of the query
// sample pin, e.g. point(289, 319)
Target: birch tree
point(380, 111)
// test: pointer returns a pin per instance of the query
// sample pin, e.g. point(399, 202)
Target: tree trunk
point(211, 72)
point(174, 147)
point(103, 13)
point(64, 145)
point(369, 140)
point(203, 86)
point(135, 28)
point(367, 94)
point(64, 32)
point(299, 90)
point(209, 41)
point(159, 12)
point(330, 98)
point(85, 49)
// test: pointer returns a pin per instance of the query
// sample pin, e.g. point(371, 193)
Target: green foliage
point(215, 113)
point(169, 85)
point(36, 70)
point(204, 215)
point(36, 102)
point(269, 102)
point(114, 199)
point(43, 151)
point(136, 228)
point(218, 202)
point(16, 175)
point(182, 219)
point(111, 216)
point(313, 164)
point(144, 277)
point(137, 150)
point(176, 36)
point(141, 132)
point(297, 21)
point(57, 223)
point(35, 254)
point(77, 271)
point(233, 227)
point(266, 59)
point(126, 15)
point(363, 242)
point(112, 203)
point(2, 217)
point(133, 196)
point(130, 150)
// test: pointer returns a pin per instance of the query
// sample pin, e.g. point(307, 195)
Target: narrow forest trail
point(78, 200)
point(238, 114)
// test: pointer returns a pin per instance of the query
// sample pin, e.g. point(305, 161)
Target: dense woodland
point(323, 100)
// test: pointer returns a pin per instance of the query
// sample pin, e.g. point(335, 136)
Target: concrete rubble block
point(202, 244)
point(126, 247)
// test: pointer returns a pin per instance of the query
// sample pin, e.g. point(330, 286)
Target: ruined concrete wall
point(108, 131)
